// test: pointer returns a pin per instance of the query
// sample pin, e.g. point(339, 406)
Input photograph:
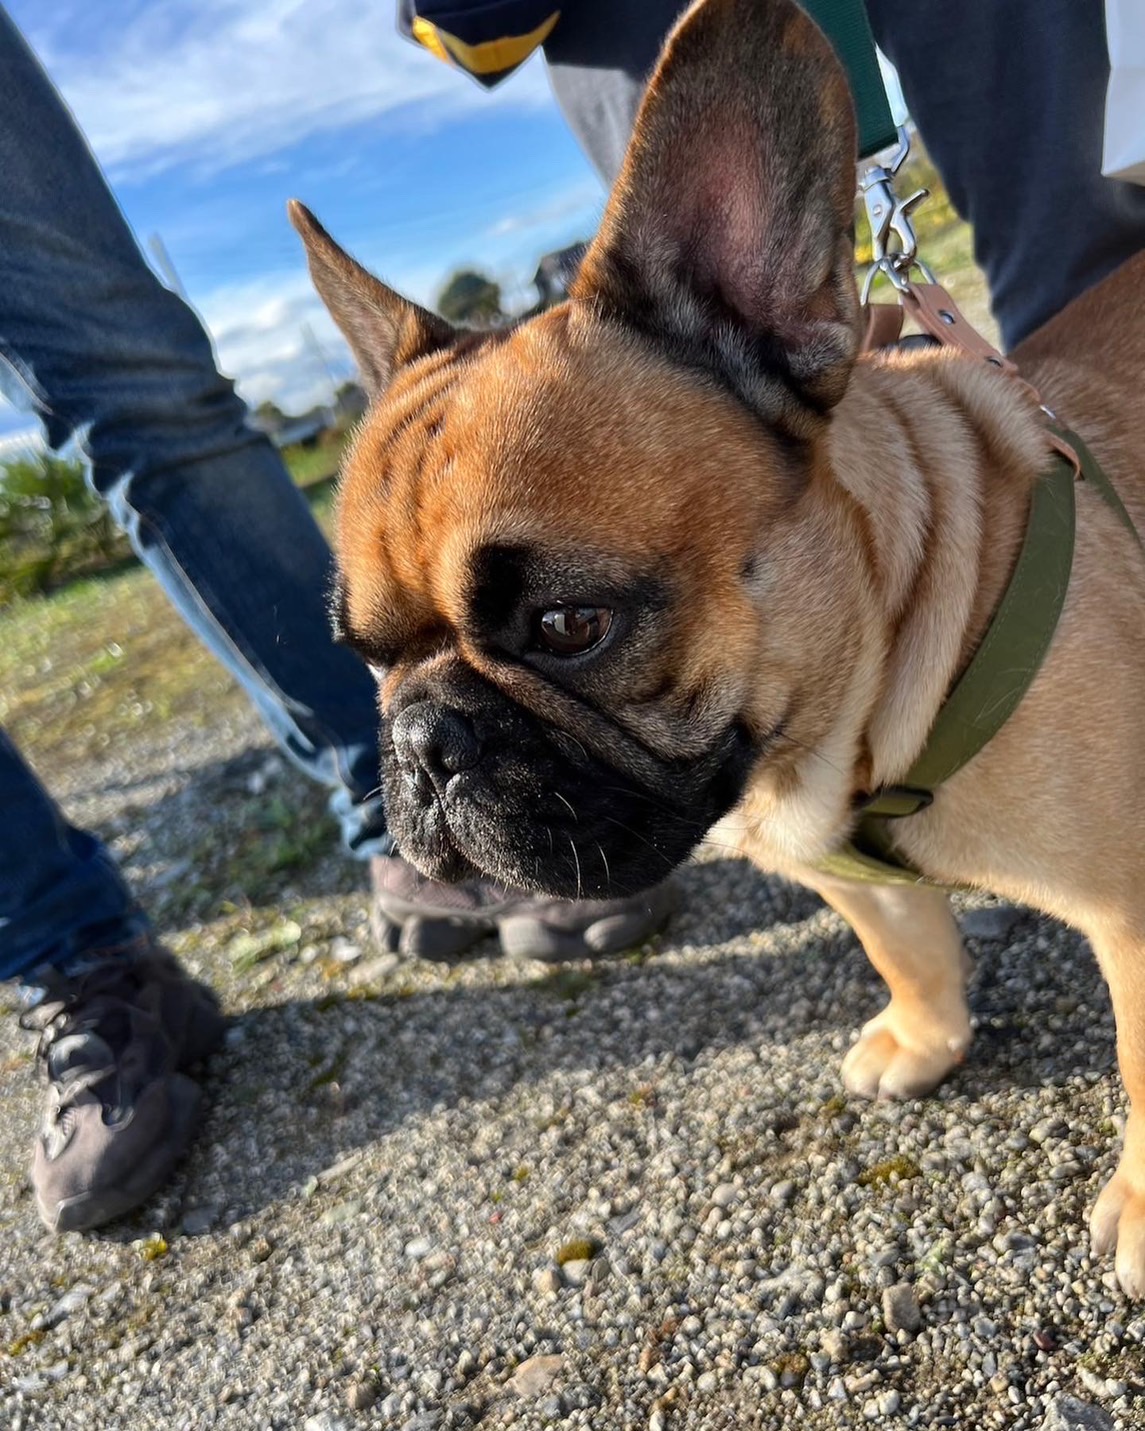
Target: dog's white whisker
point(576, 858)
point(566, 804)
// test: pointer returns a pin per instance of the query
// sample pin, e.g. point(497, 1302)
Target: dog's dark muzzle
point(476, 784)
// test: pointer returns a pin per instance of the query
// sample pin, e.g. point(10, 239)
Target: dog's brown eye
point(569, 630)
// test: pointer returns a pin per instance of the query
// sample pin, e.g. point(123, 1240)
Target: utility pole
point(311, 340)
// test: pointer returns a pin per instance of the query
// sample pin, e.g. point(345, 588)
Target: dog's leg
point(910, 936)
point(1119, 1216)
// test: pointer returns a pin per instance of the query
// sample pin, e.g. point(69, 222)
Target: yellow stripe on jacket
point(490, 57)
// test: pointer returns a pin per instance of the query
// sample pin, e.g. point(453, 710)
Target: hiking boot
point(117, 1033)
point(421, 918)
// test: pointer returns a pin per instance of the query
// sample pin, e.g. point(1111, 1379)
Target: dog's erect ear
point(727, 238)
point(383, 329)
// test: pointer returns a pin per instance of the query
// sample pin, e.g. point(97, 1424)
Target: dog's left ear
point(727, 238)
point(384, 330)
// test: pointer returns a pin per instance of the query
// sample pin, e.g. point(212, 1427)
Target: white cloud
point(258, 325)
point(573, 204)
point(258, 331)
point(274, 335)
point(22, 440)
point(219, 82)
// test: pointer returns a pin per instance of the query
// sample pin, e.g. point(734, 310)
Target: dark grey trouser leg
point(600, 56)
point(1009, 95)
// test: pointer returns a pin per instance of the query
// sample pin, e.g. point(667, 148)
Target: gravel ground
point(627, 1194)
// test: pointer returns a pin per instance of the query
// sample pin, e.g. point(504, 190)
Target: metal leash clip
point(894, 245)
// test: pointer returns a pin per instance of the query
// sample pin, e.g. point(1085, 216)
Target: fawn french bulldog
point(675, 549)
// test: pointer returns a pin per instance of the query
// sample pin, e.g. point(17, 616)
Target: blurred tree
point(51, 523)
point(470, 297)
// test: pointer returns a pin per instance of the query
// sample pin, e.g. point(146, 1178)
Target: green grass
point(54, 531)
point(311, 466)
point(90, 666)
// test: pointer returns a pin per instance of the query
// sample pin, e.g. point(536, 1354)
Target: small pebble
point(373, 971)
point(198, 1220)
point(900, 1308)
point(535, 1376)
point(1066, 1413)
point(548, 1281)
point(361, 1395)
point(992, 922)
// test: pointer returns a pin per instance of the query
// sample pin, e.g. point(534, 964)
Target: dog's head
point(581, 555)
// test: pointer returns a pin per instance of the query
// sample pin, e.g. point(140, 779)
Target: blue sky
point(208, 114)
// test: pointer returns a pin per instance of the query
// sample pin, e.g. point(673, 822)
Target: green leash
point(1000, 673)
point(845, 24)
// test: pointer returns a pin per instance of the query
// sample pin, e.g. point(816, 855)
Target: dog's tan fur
point(839, 604)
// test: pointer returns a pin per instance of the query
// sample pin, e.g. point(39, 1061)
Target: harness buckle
point(893, 802)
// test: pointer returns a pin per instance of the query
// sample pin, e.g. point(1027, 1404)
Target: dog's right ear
point(384, 330)
point(727, 238)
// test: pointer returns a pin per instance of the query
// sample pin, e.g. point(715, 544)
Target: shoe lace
point(96, 1001)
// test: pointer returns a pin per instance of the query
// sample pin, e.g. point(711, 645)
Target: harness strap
point(1010, 654)
point(1095, 475)
point(1000, 672)
point(989, 689)
point(1013, 648)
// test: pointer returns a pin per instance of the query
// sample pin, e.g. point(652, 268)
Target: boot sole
point(410, 929)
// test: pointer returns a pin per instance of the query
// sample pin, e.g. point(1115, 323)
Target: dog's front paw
point(1119, 1221)
point(898, 1056)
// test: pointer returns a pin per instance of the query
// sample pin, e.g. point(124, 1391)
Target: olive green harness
point(1010, 654)
point(1001, 671)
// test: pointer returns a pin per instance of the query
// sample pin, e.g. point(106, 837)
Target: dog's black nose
point(439, 740)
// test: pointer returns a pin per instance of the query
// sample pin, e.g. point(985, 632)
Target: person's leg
point(119, 1022)
point(108, 357)
point(600, 55)
point(1008, 94)
point(60, 892)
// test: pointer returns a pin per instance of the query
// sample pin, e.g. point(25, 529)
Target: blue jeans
point(110, 359)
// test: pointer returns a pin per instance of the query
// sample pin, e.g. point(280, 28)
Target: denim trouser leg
point(1008, 94)
point(107, 356)
point(68, 895)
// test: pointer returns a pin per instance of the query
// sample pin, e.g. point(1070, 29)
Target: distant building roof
point(296, 429)
point(556, 271)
